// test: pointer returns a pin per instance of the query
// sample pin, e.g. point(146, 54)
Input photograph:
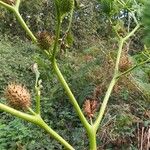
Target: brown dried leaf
point(90, 107)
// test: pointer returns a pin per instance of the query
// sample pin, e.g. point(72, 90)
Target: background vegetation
point(87, 66)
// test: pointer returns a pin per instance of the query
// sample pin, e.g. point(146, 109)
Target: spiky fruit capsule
point(45, 40)
point(18, 96)
point(10, 2)
point(66, 6)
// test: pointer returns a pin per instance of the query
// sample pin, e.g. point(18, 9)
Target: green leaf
point(107, 6)
point(69, 39)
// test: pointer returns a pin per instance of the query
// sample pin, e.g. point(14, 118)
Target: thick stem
point(92, 139)
point(71, 96)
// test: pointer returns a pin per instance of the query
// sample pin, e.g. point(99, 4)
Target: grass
point(125, 125)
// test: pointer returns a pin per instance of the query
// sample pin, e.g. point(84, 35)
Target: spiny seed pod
point(125, 63)
point(66, 6)
point(45, 40)
point(18, 96)
point(10, 2)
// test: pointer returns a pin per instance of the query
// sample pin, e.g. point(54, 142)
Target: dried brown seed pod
point(18, 96)
point(125, 63)
point(10, 2)
point(45, 40)
point(90, 107)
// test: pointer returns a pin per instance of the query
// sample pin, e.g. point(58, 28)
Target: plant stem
point(57, 37)
point(17, 113)
point(114, 79)
point(36, 119)
point(104, 104)
point(121, 42)
point(71, 96)
point(31, 111)
point(15, 10)
point(60, 76)
point(23, 24)
point(6, 5)
point(134, 67)
point(69, 26)
point(92, 139)
point(53, 134)
point(131, 33)
point(38, 99)
point(17, 4)
point(70, 20)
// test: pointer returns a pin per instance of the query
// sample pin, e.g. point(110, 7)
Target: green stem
point(31, 111)
point(131, 33)
point(134, 67)
point(36, 119)
point(104, 104)
point(58, 27)
point(70, 20)
point(114, 79)
point(17, 4)
point(71, 96)
point(37, 89)
point(69, 26)
point(38, 100)
point(23, 24)
point(17, 113)
point(92, 139)
point(54, 135)
point(61, 78)
point(56, 41)
point(6, 5)
point(121, 42)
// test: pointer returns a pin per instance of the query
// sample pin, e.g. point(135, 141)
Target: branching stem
point(15, 10)
point(71, 96)
point(36, 119)
point(114, 79)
